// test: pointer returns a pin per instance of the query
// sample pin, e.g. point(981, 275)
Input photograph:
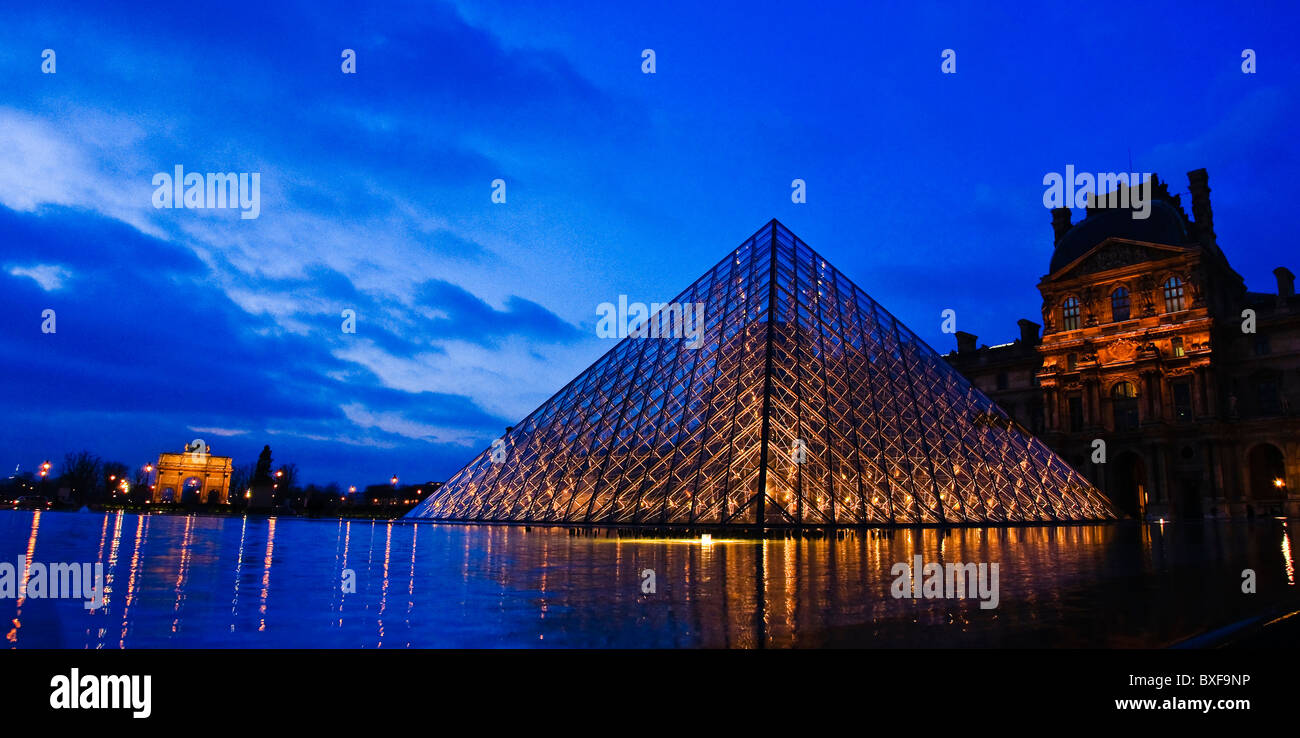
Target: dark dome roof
point(1165, 225)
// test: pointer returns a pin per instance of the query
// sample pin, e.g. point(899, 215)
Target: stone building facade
point(1152, 344)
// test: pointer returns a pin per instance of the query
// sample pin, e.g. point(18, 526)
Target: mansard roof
point(1166, 225)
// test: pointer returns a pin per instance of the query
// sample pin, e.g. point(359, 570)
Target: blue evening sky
point(924, 188)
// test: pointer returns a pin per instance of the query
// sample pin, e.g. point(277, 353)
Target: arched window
point(1124, 398)
point(1070, 314)
point(1173, 295)
point(1119, 304)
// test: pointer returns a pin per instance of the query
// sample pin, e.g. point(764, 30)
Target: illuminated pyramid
point(806, 403)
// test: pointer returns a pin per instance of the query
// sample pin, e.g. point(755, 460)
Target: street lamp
point(1279, 483)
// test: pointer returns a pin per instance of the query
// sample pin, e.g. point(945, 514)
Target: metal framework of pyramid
point(794, 358)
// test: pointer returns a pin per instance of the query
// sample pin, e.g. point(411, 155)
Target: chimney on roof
point(1285, 283)
point(965, 342)
point(1060, 223)
point(1198, 181)
point(1028, 332)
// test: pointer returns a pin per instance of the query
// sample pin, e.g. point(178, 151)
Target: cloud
point(173, 322)
point(150, 349)
point(399, 424)
point(227, 432)
point(48, 165)
point(453, 312)
point(49, 276)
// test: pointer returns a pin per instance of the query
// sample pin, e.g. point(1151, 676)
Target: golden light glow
point(670, 541)
point(1279, 483)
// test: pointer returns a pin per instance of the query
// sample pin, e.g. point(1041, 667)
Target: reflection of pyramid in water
point(656, 432)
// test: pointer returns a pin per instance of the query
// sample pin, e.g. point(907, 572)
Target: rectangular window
point(1183, 402)
point(1173, 295)
point(1070, 314)
point(1126, 414)
point(1076, 413)
point(1119, 304)
point(1266, 392)
point(1176, 344)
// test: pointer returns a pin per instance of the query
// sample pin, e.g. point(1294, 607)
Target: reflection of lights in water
point(239, 560)
point(12, 635)
point(1287, 558)
point(141, 524)
point(410, 589)
point(688, 541)
point(266, 572)
point(383, 592)
point(187, 539)
point(347, 543)
point(111, 567)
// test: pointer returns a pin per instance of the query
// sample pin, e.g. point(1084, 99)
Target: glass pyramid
point(806, 403)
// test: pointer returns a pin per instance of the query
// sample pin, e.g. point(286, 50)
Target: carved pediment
point(1114, 254)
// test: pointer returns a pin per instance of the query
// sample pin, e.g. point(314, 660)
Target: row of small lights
point(124, 486)
point(148, 468)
